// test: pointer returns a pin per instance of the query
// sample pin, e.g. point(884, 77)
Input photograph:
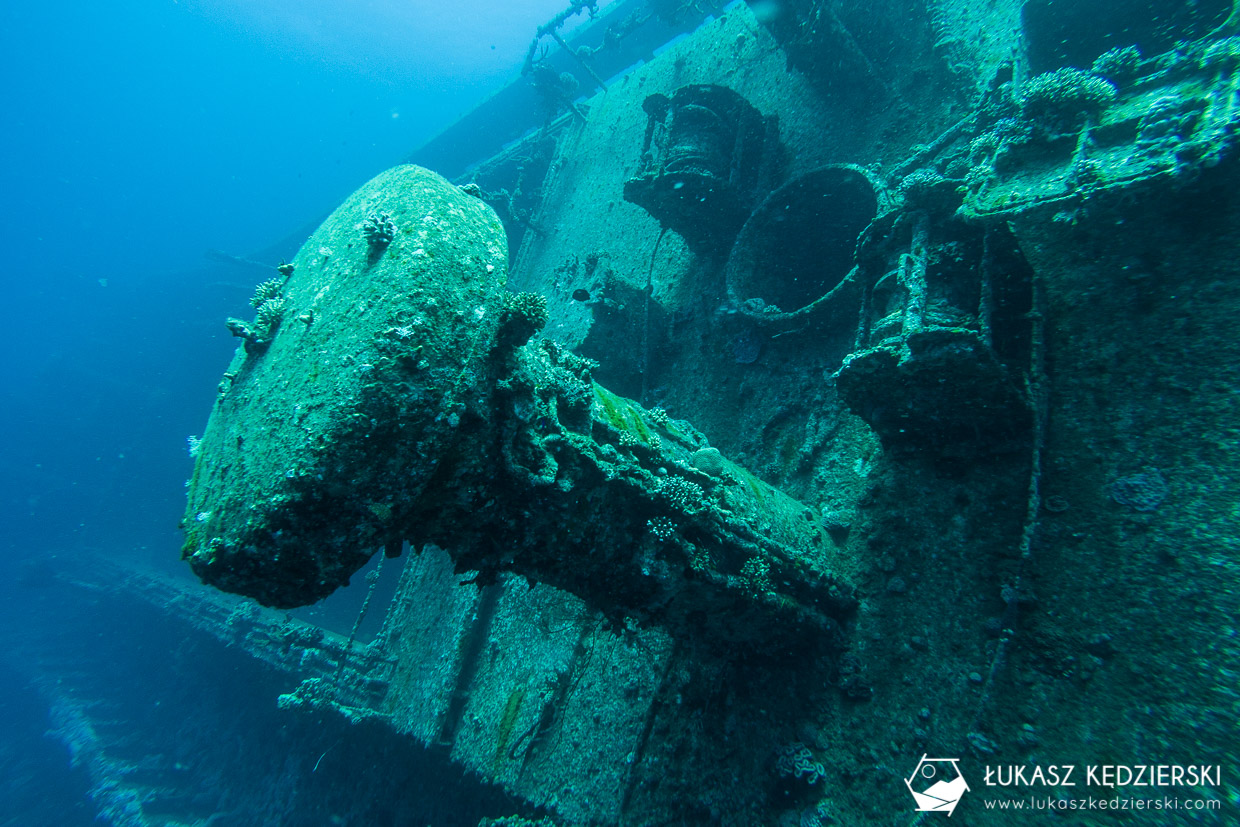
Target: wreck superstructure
point(861, 389)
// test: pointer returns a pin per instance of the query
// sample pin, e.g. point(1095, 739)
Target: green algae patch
point(508, 720)
point(622, 414)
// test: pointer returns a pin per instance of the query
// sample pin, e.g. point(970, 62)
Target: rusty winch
point(709, 157)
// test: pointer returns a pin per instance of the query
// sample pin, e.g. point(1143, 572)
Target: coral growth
point(525, 315)
point(927, 189)
point(796, 761)
point(259, 333)
point(1118, 65)
point(708, 461)
point(265, 292)
point(269, 316)
point(1062, 98)
point(1141, 492)
point(662, 528)
point(379, 231)
point(682, 495)
point(1004, 135)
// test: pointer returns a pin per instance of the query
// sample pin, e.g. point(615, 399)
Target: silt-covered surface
point(356, 392)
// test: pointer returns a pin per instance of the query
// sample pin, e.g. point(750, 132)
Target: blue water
point(134, 137)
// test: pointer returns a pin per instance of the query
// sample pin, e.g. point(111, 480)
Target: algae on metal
point(281, 505)
point(406, 404)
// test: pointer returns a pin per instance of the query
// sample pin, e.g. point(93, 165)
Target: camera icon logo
point(937, 784)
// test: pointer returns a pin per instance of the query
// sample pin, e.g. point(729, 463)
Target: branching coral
point(525, 315)
point(663, 528)
point(269, 315)
point(259, 333)
point(927, 189)
point(1062, 98)
point(265, 292)
point(1118, 65)
point(682, 495)
point(379, 231)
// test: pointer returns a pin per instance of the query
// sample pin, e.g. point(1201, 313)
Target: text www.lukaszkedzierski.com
point(1061, 804)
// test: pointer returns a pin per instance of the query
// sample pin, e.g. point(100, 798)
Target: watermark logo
point(937, 784)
